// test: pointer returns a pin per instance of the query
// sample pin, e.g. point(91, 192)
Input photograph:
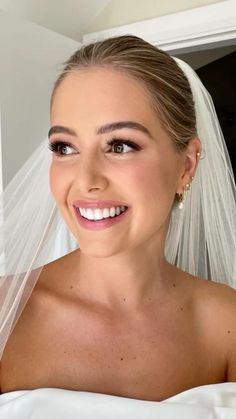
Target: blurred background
point(37, 36)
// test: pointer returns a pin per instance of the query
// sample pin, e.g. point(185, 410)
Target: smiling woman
point(121, 248)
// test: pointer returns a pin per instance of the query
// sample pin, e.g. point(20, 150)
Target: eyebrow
point(56, 129)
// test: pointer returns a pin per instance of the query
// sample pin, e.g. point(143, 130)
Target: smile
point(101, 213)
point(100, 218)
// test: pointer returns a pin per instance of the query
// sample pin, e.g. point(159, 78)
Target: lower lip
point(99, 224)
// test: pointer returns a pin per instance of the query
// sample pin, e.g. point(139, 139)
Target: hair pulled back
point(167, 85)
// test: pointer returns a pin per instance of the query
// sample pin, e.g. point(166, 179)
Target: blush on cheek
point(57, 187)
point(148, 180)
point(156, 185)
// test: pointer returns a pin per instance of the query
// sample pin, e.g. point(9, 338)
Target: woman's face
point(145, 176)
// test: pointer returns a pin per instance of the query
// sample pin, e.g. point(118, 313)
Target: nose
point(90, 175)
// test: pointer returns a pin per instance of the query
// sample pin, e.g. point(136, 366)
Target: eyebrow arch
point(123, 124)
point(57, 129)
point(104, 128)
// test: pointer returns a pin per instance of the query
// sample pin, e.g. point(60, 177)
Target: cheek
point(152, 187)
point(59, 182)
point(153, 182)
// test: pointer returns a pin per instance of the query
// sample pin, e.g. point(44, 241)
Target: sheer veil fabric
point(201, 238)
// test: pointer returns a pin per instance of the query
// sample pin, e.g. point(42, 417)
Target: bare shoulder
point(216, 311)
point(43, 299)
point(218, 299)
point(36, 321)
point(215, 301)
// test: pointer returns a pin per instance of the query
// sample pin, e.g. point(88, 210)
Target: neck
point(126, 280)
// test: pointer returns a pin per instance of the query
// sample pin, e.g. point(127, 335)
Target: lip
point(99, 224)
point(98, 204)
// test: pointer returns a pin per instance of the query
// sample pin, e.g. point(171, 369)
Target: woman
point(117, 315)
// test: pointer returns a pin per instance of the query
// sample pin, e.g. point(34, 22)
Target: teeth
point(118, 210)
point(112, 212)
point(105, 213)
point(99, 214)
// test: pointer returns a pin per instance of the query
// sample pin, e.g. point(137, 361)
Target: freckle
point(229, 331)
point(174, 285)
point(153, 341)
point(124, 299)
point(109, 366)
point(71, 287)
point(134, 357)
point(121, 359)
point(150, 299)
point(181, 308)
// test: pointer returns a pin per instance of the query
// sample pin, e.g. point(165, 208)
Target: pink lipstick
point(99, 224)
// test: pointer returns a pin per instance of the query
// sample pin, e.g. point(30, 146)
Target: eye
point(119, 145)
point(57, 148)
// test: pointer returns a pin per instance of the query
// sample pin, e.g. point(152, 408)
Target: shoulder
point(218, 299)
point(214, 301)
point(216, 293)
point(216, 308)
point(226, 323)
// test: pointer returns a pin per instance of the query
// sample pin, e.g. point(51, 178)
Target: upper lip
point(98, 204)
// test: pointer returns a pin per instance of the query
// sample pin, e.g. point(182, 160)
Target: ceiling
point(69, 18)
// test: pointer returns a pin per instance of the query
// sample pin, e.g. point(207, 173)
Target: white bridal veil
point(201, 237)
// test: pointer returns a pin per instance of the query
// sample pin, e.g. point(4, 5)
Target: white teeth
point(118, 210)
point(106, 213)
point(99, 214)
point(89, 214)
point(112, 212)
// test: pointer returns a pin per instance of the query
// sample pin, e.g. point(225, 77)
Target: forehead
point(101, 94)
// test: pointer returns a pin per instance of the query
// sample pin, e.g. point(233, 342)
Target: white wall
point(123, 12)
point(67, 17)
point(30, 61)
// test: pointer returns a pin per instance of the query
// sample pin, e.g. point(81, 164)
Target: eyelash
point(54, 146)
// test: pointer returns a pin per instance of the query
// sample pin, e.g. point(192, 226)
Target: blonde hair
point(167, 85)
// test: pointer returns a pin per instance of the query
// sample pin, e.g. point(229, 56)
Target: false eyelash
point(54, 146)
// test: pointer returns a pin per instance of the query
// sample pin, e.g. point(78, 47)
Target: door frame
point(195, 29)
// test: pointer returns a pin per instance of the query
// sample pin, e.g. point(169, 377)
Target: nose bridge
point(90, 171)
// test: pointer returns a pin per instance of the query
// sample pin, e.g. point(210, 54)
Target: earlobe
point(181, 195)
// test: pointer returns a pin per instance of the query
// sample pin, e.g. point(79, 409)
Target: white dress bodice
point(215, 401)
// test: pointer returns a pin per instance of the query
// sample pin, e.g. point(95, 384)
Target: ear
point(191, 157)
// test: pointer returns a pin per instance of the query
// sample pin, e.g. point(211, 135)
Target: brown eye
point(59, 148)
point(118, 145)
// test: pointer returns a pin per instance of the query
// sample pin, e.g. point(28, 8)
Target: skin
point(117, 318)
point(131, 253)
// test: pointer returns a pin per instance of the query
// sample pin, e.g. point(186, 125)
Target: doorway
point(216, 69)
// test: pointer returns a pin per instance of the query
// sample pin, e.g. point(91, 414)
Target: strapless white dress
point(215, 401)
